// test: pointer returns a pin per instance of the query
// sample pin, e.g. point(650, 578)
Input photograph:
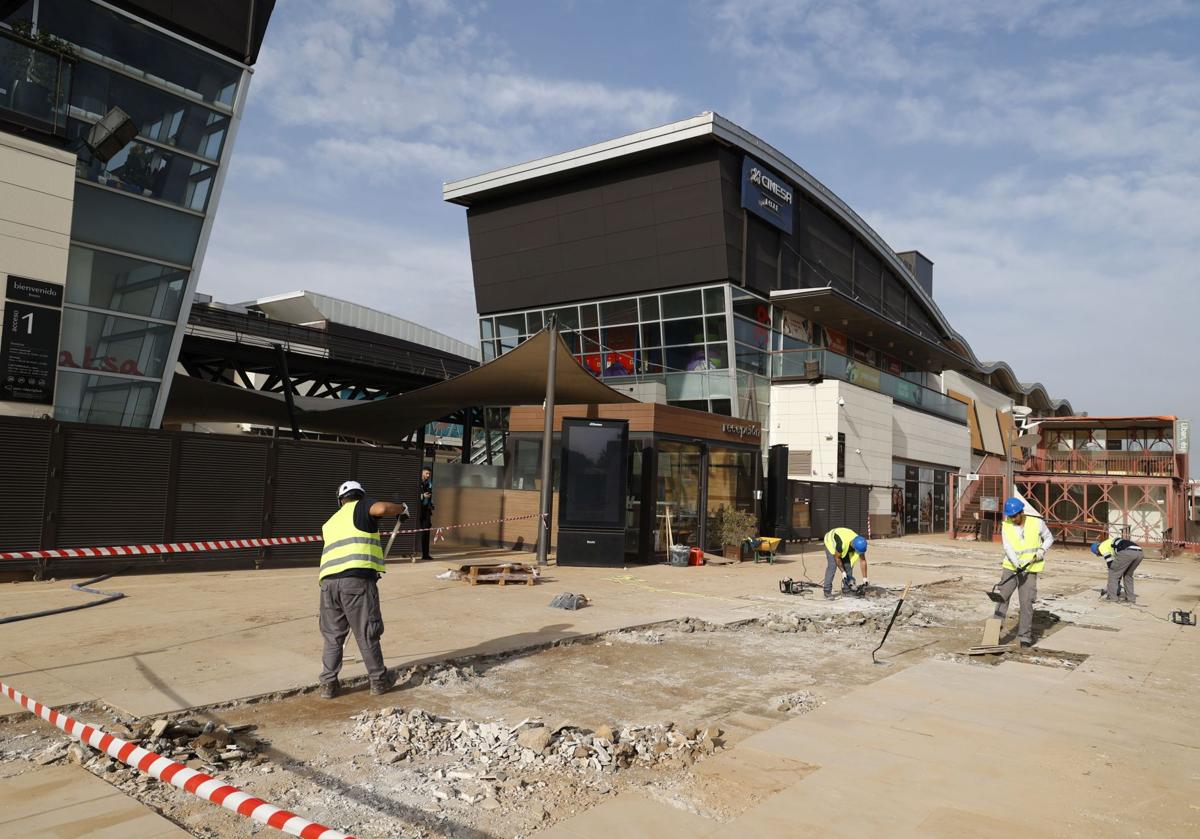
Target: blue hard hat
point(859, 544)
point(1013, 506)
point(1096, 548)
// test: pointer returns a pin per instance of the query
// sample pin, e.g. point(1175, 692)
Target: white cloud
point(270, 248)
point(257, 167)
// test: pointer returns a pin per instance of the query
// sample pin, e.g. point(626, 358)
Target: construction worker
point(351, 564)
point(843, 550)
point(1122, 557)
point(1026, 540)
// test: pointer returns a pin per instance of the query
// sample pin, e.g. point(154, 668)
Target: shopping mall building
point(695, 265)
point(117, 121)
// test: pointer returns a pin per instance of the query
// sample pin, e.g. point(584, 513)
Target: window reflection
point(106, 400)
point(110, 281)
point(148, 171)
point(158, 115)
point(111, 344)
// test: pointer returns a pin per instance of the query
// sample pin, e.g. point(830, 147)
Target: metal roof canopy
point(836, 310)
point(516, 378)
point(1108, 422)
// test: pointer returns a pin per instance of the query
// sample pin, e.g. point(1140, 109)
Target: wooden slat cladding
point(647, 417)
point(972, 419)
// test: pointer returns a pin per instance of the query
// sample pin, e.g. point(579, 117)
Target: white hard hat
point(349, 486)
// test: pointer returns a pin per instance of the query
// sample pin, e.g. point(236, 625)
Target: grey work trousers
point(351, 604)
point(1120, 572)
point(1026, 587)
point(831, 568)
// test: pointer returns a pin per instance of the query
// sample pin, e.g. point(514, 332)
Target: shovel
point(395, 530)
point(895, 614)
point(995, 596)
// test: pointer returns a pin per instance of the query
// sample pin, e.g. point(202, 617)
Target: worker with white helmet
point(351, 564)
point(1026, 540)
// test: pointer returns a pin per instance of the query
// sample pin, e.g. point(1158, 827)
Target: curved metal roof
point(710, 124)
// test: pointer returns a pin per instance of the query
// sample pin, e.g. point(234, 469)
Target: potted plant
point(731, 527)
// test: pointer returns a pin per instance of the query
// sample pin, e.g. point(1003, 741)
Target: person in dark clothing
point(351, 564)
point(426, 495)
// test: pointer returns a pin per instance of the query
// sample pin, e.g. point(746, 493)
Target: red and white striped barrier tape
point(150, 550)
point(221, 544)
point(169, 771)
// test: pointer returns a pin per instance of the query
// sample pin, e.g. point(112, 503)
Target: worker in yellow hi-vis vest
point(1026, 540)
point(844, 549)
point(351, 564)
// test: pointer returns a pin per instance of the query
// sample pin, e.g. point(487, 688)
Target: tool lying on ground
point(106, 597)
point(1182, 618)
point(895, 614)
point(790, 586)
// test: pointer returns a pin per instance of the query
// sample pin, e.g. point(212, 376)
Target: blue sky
point(1045, 155)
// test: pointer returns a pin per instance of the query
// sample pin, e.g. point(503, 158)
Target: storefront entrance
point(919, 498)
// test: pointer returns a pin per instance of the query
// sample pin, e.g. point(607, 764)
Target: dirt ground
point(698, 680)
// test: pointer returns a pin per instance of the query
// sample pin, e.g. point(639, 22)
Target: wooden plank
point(991, 632)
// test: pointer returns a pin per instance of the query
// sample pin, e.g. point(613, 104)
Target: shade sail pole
point(543, 547)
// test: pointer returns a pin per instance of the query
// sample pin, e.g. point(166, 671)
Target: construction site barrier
point(174, 773)
point(220, 544)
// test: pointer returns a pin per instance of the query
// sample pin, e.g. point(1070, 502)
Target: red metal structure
point(1095, 477)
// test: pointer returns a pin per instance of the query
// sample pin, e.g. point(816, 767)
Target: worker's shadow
point(368, 798)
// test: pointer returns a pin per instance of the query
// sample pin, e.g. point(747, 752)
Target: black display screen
point(594, 470)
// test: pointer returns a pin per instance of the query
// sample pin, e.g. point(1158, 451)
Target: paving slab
point(631, 817)
point(65, 802)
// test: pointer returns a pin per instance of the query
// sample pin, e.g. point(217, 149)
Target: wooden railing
point(1140, 464)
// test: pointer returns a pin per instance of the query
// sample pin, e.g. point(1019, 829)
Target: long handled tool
point(395, 530)
point(895, 614)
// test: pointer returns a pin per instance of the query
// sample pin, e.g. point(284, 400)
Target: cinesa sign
point(766, 195)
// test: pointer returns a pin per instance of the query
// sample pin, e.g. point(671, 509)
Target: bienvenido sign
point(33, 291)
point(766, 194)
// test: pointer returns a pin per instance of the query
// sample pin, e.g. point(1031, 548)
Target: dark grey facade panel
point(621, 231)
point(26, 458)
point(232, 27)
point(114, 487)
point(219, 487)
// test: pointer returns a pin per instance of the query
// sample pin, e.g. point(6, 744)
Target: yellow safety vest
point(1025, 541)
point(847, 536)
point(1106, 549)
point(348, 547)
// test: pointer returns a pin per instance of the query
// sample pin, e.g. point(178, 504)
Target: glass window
point(485, 329)
point(159, 115)
point(730, 484)
point(489, 350)
point(620, 338)
point(751, 360)
point(107, 400)
point(841, 455)
point(148, 171)
point(33, 85)
point(115, 221)
point(724, 407)
point(753, 309)
point(509, 326)
point(714, 328)
point(714, 301)
point(651, 335)
point(587, 315)
point(681, 304)
point(568, 317)
point(140, 50)
point(689, 331)
point(95, 341)
point(618, 311)
point(678, 491)
point(679, 359)
point(108, 281)
point(752, 334)
point(649, 307)
point(718, 356)
point(650, 361)
point(533, 323)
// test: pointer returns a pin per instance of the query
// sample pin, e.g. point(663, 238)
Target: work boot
point(1025, 644)
point(389, 682)
point(829, 595)
point(329, 690)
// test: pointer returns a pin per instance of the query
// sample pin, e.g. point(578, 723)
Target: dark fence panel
point(74, 485)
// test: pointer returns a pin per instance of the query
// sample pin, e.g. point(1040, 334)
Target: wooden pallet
point(501, 573)
point(992, 649)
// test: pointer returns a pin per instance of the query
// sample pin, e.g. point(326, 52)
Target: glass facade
point(138, 217)
point(919, 498)
point(680, 338)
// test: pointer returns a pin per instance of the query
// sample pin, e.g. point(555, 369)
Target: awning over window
point(516, 378)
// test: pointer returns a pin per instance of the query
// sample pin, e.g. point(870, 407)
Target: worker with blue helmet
point(1026, 540)
point(843, 550)
point(1122, 557)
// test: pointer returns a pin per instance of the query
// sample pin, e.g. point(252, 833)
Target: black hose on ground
point(107, 597)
